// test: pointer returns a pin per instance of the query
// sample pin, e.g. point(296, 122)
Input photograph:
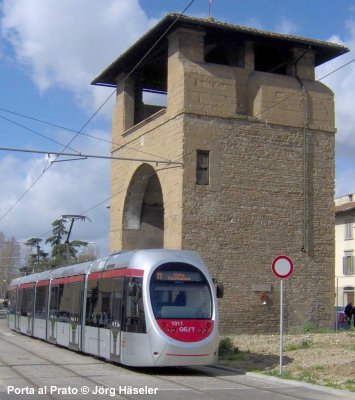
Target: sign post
point(282, 268)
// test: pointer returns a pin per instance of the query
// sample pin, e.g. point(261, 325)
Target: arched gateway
point(143, 216)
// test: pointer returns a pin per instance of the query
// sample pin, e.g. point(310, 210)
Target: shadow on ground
point(247, 362)
point(256, 362)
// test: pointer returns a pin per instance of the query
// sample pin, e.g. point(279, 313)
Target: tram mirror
point(220, 290)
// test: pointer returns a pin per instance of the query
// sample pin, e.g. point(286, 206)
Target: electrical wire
point(336, 70)
point(35, 132)
point(97, 111)
point(66, 129)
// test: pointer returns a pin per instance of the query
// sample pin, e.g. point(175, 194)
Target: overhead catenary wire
point(65, 129)
point(85, 156)
point(35, 132)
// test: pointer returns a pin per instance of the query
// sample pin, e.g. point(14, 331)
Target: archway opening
point(143, 215)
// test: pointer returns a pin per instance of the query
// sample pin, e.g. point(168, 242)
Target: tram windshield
point(179, 290)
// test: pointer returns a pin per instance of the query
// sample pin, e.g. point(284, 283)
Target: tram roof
point(15, 282)
point(70, 270)
point(135, 259)
point(114, 261)
point(145, 259)
point(45, 275)
point(29, 278)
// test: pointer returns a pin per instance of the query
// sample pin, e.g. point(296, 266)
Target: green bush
point(227, 348)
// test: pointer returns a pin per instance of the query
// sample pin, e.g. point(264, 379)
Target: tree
point(38, 260)
point(10, 257)
point(63, 251)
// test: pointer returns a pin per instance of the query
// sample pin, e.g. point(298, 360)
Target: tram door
point(116, 318)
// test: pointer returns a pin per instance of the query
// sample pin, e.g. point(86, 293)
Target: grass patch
point(311, 376)
point(305, 344)
point(309, 328)
point(319, 367)
point(276, 373)
point(308, 376)
point(349, 385)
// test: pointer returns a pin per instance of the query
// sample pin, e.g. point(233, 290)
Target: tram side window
point(104, 302)
point(22, 302)
point(98, 303)
point(133, 317)
point(12, 302)
point(53, 305)
point(66, 302)
point(27, 301)
point(19, 300)
point(92, 300)
point(116, 307)
point(41, 301)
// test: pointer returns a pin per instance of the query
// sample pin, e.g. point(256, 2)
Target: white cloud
point(69, 187)
point(67, 43)
point(342, 82)
point(286, 26)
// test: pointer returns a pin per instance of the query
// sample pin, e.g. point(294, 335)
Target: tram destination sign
point(185, 276)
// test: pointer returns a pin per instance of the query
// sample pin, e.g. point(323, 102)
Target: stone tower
point(251, 135)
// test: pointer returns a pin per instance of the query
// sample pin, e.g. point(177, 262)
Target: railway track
point(186, 381)
point(69, 370)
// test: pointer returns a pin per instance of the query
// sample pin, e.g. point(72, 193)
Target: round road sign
point(282, 267)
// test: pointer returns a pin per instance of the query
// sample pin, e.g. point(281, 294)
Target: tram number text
point(177, 323)
point(182, 328)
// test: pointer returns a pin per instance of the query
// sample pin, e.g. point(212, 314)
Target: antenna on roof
point(209, 9)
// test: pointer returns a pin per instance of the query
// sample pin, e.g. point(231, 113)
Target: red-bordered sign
point(282, 267)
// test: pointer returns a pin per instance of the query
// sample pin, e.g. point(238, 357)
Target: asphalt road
point(33, 369)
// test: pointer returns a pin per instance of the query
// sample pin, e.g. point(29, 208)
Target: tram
point(138, 308)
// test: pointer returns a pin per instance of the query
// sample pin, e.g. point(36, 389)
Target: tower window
point(202, 167)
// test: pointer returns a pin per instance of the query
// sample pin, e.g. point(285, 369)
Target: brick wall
point(254, 211)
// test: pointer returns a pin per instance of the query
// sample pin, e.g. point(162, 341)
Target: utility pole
point(73, 218)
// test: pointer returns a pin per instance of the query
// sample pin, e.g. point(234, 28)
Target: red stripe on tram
point(116, 273)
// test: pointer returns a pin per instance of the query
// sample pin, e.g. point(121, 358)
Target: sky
point(51, 50)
